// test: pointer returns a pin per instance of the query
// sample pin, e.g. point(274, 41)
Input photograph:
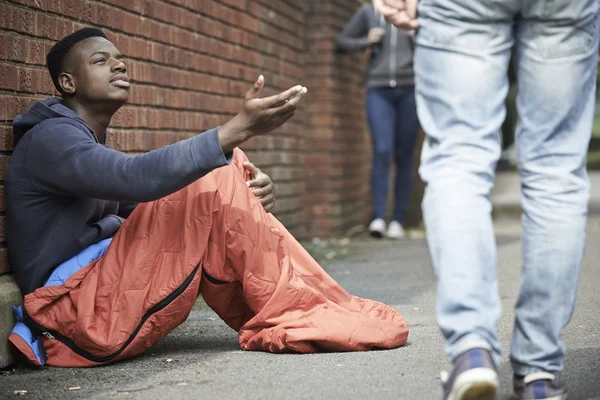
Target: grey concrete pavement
point(201, 359)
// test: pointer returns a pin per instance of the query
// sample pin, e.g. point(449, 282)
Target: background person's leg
point(381, 117)
point(407, 130)
point(461, 59)
point(557, 49)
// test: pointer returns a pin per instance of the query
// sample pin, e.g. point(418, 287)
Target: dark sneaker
point(539, 386)
point(473, 377)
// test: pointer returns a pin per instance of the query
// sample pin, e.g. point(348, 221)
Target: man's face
point(98, 72)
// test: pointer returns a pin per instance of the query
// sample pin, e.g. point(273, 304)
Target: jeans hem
point(524, 370)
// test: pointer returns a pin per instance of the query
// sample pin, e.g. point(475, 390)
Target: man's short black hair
point(61, 49)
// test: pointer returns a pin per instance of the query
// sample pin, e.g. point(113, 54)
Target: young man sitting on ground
point(105, 278)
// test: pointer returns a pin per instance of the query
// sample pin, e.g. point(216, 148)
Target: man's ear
point(66, 81)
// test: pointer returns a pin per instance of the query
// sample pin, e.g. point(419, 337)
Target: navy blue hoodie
point(65, 191)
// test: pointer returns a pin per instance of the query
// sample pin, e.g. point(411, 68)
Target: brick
point(3, 107)
point(3, 47)
point(35, 52)
point(63, 28)
point(8, 77)
point(47, 26)
point(6, 143)
point(16, 48)
point(27, 80)
point(55, 6)
point(27, 21)
point(3, 164)
point(73, 8)
point(4, 265)
point(88, 12)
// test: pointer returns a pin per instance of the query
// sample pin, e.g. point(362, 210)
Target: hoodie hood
point(39, 112)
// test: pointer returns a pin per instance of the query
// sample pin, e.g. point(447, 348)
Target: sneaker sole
point(376, 234)
point(561, 397)
point(475, 384)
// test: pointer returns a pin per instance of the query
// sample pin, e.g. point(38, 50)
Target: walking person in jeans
point(461, 60)
point(391, 111)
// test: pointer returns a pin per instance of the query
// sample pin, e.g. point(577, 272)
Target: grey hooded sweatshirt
point(391, 60)
point(65, 191)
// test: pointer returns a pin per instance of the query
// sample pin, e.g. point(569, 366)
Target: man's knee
point(555, 191)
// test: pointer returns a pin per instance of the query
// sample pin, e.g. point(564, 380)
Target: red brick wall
point(338, 164)
point(191, 61)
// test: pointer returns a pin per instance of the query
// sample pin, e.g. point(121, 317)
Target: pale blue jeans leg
point(461, 63)
point(461, 58)
point(557, 48)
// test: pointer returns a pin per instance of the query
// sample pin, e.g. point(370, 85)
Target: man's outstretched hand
point(261, 186)
point(400, 13)
point(260, 116)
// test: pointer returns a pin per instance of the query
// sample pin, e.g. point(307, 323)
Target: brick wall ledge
point(9, 295)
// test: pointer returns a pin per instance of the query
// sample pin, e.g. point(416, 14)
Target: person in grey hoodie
point(391, 111)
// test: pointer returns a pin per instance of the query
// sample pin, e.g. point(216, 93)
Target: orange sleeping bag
point(212, 238)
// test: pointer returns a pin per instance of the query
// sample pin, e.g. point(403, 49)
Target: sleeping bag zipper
point(40, 330)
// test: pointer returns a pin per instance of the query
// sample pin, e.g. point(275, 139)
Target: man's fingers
point(401, 20)
point(252, 169)
point(268, 201)
point(289, 106)
point(296, 99)
point(256, 88)
point(282, 97)
point(287, 118)
point(411, 9)
point(400, 13)
point(280, 117)
point(384, 9)
point(261, 192)
point(397, 4)
point(260, 181)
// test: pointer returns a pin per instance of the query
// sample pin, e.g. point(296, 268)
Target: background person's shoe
point(539, 386)
point(377, 228)
point(395, 230)
point(473, 377)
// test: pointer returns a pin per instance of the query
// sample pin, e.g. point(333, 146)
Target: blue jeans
point(462, 54)
point(392, 115)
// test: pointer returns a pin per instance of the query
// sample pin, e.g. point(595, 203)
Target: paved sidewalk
point(201, 359)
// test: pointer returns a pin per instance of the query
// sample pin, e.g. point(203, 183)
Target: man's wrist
point(232, 134)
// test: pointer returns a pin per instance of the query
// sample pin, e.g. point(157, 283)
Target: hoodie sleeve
point(65, 160)
point(354, 37)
